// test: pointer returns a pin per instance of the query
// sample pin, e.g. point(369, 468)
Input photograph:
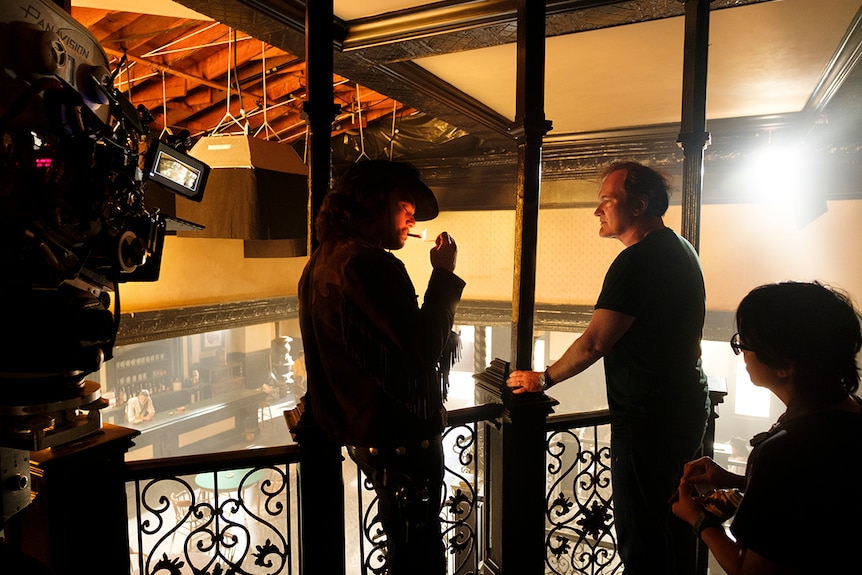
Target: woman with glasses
point(800, 509)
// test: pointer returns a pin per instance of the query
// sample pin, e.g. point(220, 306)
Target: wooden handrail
point(175, 466)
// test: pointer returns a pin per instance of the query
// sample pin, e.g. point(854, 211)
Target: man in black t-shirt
point(647, 325)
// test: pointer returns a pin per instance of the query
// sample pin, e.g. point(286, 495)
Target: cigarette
point(421, 236)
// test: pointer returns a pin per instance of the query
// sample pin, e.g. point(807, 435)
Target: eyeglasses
point(736, 346)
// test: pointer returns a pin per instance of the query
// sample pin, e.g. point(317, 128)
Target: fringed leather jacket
point(377, 362)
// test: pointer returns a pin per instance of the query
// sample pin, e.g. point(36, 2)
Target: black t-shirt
point(654, 369)
point(802, 505)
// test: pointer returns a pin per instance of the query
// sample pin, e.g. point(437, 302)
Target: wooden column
point(693, 136)
point(529, 128)
point(520, 495)
point(523, 499)
point(320, 108)
point(320, 482)
point(694, 139)
point(321, 490)
point(513, 470)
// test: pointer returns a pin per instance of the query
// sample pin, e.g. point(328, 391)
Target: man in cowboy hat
point(376, 361)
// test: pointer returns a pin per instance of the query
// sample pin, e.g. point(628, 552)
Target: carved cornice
point(165, 324)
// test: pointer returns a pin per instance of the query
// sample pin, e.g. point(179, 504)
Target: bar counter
point(198, 427)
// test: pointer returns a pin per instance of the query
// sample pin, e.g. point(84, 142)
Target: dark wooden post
point(319, 108)
point(529, 128)
point(518, 498)
point(693, 136)
point(513, 473)
point(320, 482)
point(321, 491)
point(694, 139)
point(523, 496)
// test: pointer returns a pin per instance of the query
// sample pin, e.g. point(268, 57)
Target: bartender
point(140, 408)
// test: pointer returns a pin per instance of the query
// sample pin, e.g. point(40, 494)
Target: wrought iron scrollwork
point(237, 528)
point(580, 536)
point(458, 515)
point(374, 561)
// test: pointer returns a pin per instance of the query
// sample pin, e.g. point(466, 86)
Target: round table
point(228, 480)
point(220, 484)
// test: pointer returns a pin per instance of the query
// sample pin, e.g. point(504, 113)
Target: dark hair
point(363, 191)
point(641, 180)
point(813, 327)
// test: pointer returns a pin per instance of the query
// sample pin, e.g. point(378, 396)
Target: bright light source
point(778, 177)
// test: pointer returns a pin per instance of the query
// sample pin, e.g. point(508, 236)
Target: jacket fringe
point(420, 393)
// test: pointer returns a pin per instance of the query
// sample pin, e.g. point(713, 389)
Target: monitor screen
point(181, 173)
point(177, 171)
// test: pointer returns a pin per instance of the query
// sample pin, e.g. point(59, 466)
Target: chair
point(185, 515)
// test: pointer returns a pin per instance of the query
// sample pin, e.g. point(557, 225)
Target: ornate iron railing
point(233, 512)
point(580, 536)
point(461, 511)
point(237, 512)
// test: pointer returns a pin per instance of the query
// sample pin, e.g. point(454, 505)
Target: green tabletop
point(228, 480)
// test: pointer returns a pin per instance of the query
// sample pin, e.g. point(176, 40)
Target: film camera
point(75, 164)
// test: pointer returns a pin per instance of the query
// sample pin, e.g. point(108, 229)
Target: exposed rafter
point(377, 53)
point(180, 66)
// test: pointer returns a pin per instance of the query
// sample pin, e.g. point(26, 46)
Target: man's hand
point(444, 253)
point(523, 381)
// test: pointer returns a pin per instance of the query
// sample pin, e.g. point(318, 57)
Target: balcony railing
point(233, 512)
point(580, 535)
point(238, 511)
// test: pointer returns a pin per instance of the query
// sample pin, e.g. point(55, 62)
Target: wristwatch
point(545, 380)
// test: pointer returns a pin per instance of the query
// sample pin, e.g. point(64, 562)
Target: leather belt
point(398, 450)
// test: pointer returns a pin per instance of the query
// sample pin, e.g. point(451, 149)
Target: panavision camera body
point(74, 169)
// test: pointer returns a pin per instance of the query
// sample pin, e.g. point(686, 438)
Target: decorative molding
point(839, 68)
point(410, 75)
point(164, 324)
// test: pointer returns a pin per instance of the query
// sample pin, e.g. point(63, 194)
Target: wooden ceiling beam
point(167, 69)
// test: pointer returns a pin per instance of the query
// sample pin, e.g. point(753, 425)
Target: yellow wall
point(205, 271)
point(742, 246)
point(745, 246)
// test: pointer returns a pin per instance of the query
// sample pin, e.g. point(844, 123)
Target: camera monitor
point(180, 173)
